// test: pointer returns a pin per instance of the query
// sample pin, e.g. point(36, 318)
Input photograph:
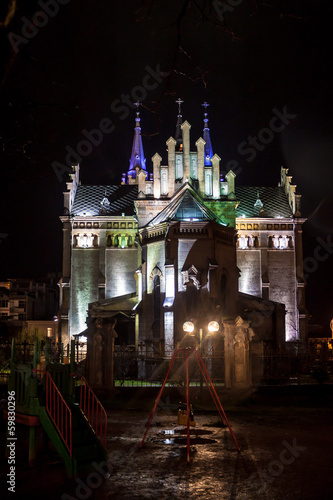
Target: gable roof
point(274, 202)
point(186, 204)
point(117, 200)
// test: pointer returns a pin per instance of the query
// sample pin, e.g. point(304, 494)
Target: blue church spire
point(206, 137)
point(179, 135)
point(137, 158)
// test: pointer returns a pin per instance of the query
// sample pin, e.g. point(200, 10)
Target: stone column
point(216, 176)
point(229, 334)
point(237, 353)
point(186, 127)
point(156, 159)
point(200, 144)
point(171, 144)
point(231, 183)
point(100, 354)
point(141, 177)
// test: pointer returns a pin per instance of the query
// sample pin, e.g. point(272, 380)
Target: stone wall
point(84, 285)
point(282, 272)
point(249, 263)
point(120, 266)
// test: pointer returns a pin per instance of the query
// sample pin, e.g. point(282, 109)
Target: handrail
point(59, 412)
point(93, 409)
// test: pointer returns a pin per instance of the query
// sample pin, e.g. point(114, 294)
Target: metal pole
point(209, 388)
point(188, 406)
point(200, 350)
point(12, 354)
point(218, 400)
point(72, 359)
point(158, 398)
point(34, 363)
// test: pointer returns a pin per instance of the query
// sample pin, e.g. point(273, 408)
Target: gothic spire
point(179, 135)
point(206, 137)
point(137, 158)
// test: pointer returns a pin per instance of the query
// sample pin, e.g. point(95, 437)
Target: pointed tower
point(179, 135)
point(206, 137)
point(137, 158)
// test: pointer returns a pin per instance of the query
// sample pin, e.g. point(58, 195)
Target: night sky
point(248, 59)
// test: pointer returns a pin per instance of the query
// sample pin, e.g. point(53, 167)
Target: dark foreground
point(286, 453)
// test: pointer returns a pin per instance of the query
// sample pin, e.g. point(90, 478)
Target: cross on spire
point(137, 159)
point(137, 104)
point(206, 137)
point(179, 102)
point(205, 105)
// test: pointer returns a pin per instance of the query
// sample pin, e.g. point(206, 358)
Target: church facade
point(184, 244)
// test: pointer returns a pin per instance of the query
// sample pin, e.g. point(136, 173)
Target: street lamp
point(213, 326)
point(188, 327)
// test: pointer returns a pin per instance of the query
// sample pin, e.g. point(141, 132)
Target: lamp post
point(212, 327)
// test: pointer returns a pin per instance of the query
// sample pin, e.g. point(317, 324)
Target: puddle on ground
point(179, 436)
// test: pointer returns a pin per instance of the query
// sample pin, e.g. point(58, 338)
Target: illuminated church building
point(184, 243)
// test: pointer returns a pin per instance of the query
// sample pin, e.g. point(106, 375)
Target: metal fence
point(24, 351)
point(313, 365)
point(291, 368)
point(131, 369)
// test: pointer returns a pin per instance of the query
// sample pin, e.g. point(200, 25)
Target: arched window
point(276, 242)
point(156, 326)
point(243, 242)
point(283, 242)
point(157, 296)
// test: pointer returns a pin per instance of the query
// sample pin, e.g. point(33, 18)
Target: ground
point(284, 435)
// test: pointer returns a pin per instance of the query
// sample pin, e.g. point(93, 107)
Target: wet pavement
point(286, 453)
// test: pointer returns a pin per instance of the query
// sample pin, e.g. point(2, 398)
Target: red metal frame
point(217, 401)
point(188, 406)
point(59, 412)
point(93, 409)
point(210, 386)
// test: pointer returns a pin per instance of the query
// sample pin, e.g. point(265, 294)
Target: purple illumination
point(138, 159)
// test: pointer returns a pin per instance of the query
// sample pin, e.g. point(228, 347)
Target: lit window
point(283, 242)
point(242, 242)
point(276, 242)
point(49, 332)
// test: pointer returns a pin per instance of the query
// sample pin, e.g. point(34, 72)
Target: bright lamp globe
point(188, 327)
point(213, 326)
